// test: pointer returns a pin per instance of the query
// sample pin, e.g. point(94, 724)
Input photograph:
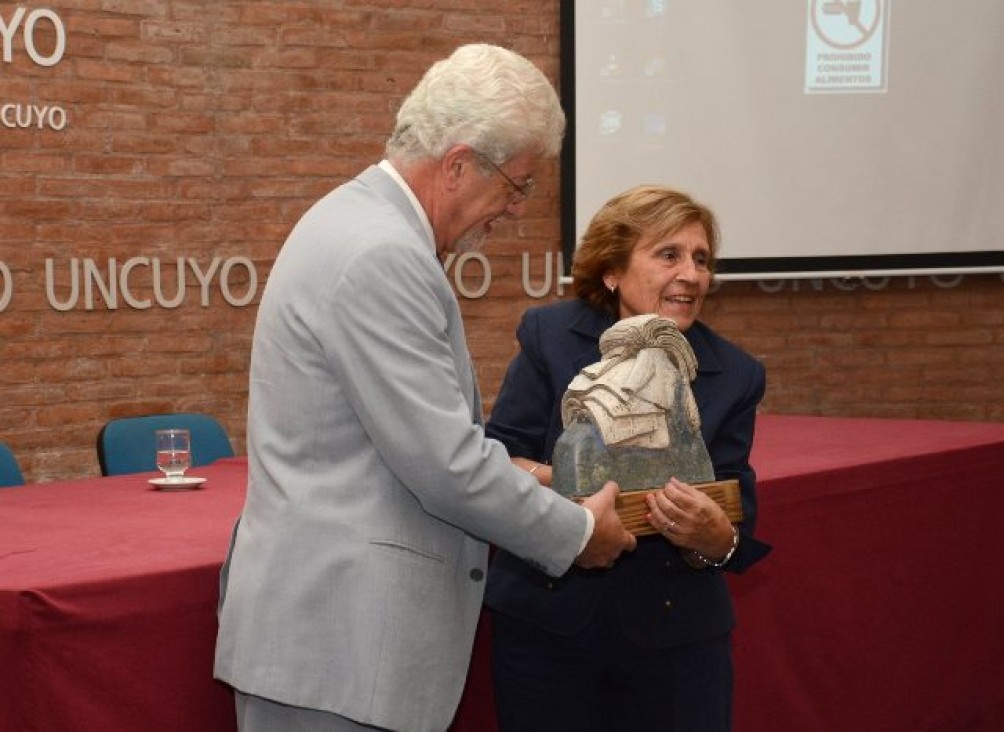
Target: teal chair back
point(127, 444)
point(10, 471)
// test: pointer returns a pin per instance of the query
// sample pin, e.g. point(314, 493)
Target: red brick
point(193, 139)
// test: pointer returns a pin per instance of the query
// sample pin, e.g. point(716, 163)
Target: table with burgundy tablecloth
point(878, 610)
point(108, 591)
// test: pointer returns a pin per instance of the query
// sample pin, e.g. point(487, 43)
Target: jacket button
point(477, 575)
point(669, 604)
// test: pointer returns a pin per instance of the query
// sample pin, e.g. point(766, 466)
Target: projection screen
point(831, 138)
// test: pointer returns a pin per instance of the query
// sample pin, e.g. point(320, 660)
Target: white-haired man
point(356, 574)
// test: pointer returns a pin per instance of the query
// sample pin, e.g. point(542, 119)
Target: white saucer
point(186, 483)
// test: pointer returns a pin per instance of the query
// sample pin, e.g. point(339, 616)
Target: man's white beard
point(471, 241)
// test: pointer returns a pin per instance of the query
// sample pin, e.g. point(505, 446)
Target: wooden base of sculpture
point(632, 509)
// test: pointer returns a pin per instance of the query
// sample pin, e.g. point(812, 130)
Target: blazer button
point(477, 575)
point(668, 604)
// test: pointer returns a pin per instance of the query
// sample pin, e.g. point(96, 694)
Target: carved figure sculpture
point(631, 417)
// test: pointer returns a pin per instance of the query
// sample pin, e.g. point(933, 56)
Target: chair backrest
point(10, 471)
point(127, 444)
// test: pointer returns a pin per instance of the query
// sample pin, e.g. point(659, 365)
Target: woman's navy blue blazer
point(660, 600)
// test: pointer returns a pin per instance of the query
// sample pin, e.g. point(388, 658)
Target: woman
point(643, 645)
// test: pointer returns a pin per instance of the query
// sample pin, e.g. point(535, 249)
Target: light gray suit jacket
point(356, 573)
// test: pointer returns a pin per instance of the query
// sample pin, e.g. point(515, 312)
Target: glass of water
point(174, 453)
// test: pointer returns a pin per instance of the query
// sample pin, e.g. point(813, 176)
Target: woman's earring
point(612, 286)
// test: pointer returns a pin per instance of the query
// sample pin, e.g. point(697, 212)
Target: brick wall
point(175, 129)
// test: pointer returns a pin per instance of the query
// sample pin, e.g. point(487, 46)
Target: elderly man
point(353, 586)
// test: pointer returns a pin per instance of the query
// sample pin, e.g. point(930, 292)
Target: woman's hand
point(690, 519)
point(540, 471)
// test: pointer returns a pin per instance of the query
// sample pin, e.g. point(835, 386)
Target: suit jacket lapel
point(588, 325)
point(387, 187)
point(373, 177)
point(708, 364)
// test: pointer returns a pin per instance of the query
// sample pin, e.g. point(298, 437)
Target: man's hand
point(609, 538)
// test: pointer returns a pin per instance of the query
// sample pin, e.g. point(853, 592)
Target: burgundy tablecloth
point(108, 595)
point(878, 610)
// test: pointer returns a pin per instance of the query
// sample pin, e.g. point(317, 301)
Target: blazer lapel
point(375, 178)
point(707, 365)
point(388, 188)
point(588, 326)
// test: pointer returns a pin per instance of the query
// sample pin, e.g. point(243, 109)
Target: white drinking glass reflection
point(174, 453)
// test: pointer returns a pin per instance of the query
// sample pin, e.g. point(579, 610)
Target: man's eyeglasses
point(518, 193)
